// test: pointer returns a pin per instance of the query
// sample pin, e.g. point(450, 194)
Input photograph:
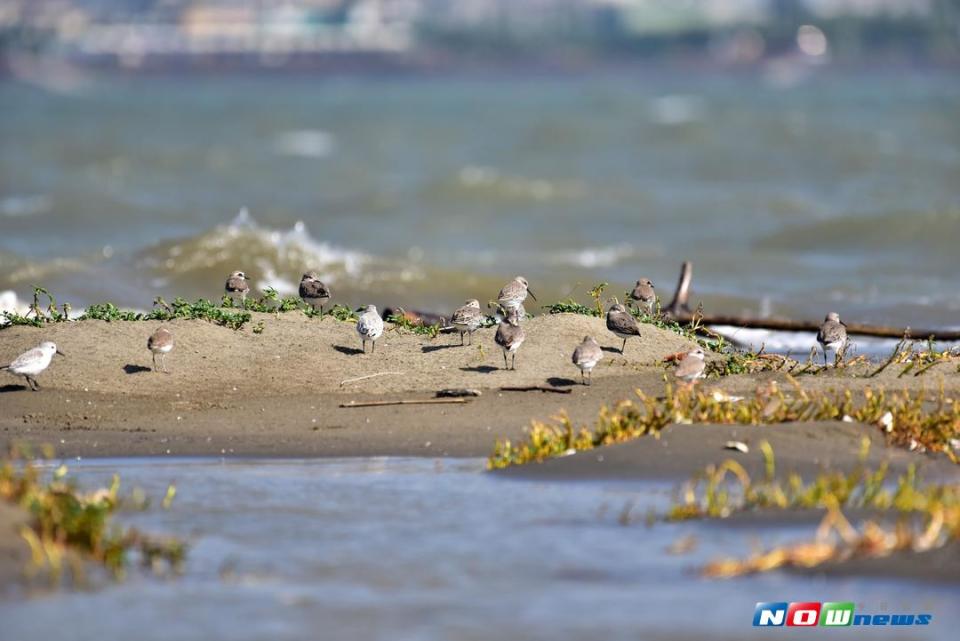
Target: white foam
point(19, 206)
point(305, 143)
point(322, 257)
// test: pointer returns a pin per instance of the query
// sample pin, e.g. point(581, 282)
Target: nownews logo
point(832, 614)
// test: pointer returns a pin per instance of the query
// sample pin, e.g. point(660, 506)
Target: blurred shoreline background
point(805, 154)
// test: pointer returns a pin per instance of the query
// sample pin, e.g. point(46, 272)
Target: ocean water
point(424, 549)
point(838, 190)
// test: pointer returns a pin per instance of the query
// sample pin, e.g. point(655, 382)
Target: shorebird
point(160, 343)
point(237, 286)
point(622, 323)
point(370, 327)
point(313, 291)
point(509, 337)
point(467, 319)
point(32, 362)
point(586, 356)
point(644, 296)
point(832, 335)
point(691, 366)
point(513, 294)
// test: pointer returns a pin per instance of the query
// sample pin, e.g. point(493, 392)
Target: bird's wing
point(466, 314)
point(30, 355)
point(314, 289)
point(623, 323)
point(689, 367)
point(511, 290)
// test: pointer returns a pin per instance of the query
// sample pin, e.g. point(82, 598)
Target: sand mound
point(296, 354)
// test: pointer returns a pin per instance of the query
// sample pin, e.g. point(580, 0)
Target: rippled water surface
point(837, 190)
point(431, 549)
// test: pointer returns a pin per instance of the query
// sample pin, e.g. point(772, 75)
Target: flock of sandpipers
point(466, 320)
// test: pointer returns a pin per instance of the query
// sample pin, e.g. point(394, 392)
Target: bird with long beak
point(513, 294)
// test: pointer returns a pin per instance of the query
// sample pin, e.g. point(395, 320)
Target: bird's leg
point(34, 385)
point(373, 346)
point(590, 377)
point(163, 363)
point(154, 361)
point(461, 339)
point(364, 346)
point(513, 362)
point(505, 360)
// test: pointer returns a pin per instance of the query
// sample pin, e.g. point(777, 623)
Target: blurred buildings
point(271, 32)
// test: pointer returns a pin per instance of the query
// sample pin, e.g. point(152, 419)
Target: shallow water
point(838, 190)
point(431, 549)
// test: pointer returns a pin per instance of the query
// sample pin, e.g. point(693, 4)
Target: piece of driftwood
point(680, 305)
point(406, 401)
point(457, 392)
point(536, 388)
point(679, 311)
point(363, 378)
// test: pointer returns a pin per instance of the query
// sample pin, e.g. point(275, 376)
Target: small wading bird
point(237, 287)
point(586, 356)
point(467, 319)
point(313, 291)
point(832, 335)
point(510, 337)
point(160, 344)
point(691, 367)
point(513, 294)
point(644, 296)
point(370, 327)
point(31, 363)
point(622, 323)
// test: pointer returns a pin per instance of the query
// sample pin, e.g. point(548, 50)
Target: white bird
point(691, 367)
point(31, 363)
point(370, 327)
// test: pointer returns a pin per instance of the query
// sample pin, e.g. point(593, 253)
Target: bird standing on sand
point(160, 343)
point(509, 337)
point(313, 291)
point(513, 294)
point(586, 356)
point(691, 366)
point(32, 362)
point(832, 335)
point(237, 286)
point(467, 319)
point(370, 327)
point(644, 296)
point(622, 323)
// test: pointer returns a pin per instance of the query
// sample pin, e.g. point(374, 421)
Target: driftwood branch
point(363, 378)
point(680, 306)
point(537, 388)
point(679, 311)
point(407, 401)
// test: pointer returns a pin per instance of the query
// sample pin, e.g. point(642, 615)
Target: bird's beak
point(61, 353)
point(532, 295)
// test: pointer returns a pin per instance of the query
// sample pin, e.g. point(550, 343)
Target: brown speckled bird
point(510, 337)
point(832, 335)
point(644, 296)
point(237, 286)
point(313, 292)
